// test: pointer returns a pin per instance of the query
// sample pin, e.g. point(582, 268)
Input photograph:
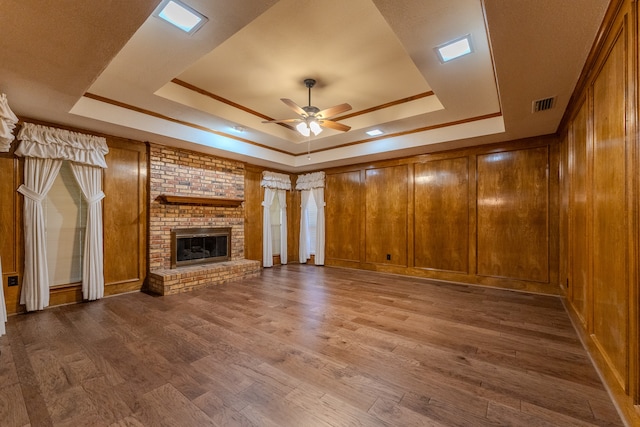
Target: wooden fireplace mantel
point(191, 200)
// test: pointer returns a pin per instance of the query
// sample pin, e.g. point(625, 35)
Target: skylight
point(374, 132)
point(455, 49)
point(180, 15)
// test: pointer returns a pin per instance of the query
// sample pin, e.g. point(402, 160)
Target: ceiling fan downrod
point(310, 109)
point(309, 83)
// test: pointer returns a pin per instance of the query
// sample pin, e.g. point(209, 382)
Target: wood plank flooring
point(303, 346)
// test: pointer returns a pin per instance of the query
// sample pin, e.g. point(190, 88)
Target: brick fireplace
point(196, 180)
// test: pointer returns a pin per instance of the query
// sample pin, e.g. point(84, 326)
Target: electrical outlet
point(388, 257)
point(12, 280)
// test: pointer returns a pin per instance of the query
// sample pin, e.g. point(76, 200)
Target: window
point(276, 223)
point(65, 212)
point(312, 222)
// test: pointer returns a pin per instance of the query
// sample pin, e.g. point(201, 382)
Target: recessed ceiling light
point(455, 49)
point(374, 132)
point(180, 15)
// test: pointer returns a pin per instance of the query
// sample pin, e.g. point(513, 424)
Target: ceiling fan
point(312, 119)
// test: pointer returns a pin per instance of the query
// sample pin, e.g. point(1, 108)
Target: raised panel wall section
point(441, 189)
point(513, 214)
point(601, 139)
point(343, 198)
point(578, 209)
point(386, 198)
point(11, 246)
point(480, 215)
point(610, 282)
point(125, 212)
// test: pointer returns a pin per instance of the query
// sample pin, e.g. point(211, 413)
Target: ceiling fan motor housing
point(311, 110)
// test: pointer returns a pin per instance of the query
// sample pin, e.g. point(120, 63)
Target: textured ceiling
point(129, 74)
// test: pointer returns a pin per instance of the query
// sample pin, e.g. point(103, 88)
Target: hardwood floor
point(303, 346)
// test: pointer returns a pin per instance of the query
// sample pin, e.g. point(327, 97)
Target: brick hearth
point(184, 279)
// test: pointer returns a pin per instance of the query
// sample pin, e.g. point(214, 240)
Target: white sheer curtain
point(267, 245)
point(308, 184)
point(90, 180)
point(3, 307)
point(282, 199)
point(39, 175)
point(44, 148)
point(275, 185)
point(8, 122)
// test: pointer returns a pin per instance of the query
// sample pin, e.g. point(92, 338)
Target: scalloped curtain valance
point(8, 122)
point(310, 180)
point(278, 181)
point(50, 143)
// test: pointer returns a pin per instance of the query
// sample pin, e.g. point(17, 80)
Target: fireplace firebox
point(191, 246)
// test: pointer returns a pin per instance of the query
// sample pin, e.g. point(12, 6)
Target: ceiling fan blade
point(334, 125)
point(295, 107)
point(281, 121)
point(330, 112)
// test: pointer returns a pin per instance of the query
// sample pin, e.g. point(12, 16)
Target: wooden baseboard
point(628, 411)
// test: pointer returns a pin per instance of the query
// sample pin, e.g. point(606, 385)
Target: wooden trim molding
point(383, 106)
point(190, 200)
point(174, 120)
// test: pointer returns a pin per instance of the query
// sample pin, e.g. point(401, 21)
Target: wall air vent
point(543, 104)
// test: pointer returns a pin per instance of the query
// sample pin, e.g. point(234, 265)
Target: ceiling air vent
point(543, 104)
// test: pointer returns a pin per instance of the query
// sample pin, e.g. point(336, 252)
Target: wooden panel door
point(125, 216)
point(578, 205)
point(513, 214)
point(342, 216)
point(610, 285)
point(441, 189)
point(386, 200)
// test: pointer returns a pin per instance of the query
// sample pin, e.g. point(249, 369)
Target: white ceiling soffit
point(378, 56)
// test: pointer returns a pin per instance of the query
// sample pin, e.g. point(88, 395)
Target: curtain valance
point(278, 181)
point(8, 122)
point(50, 143)
point(310, 180)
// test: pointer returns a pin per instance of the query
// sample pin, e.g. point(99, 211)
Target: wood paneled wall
point(345, 201)
point(513, 213)
point(441, 210)
point(486, 215)
point(602, 182)
point(124, 218)
point(11, 228)
point(385, 215)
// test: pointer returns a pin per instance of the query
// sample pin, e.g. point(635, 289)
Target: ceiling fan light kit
point(308, 126)
point(312, 119)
